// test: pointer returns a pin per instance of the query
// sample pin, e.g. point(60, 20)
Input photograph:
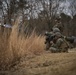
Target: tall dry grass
point(6, 56)
point(15, 47)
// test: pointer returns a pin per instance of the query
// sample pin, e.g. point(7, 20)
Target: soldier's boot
point(53, 50)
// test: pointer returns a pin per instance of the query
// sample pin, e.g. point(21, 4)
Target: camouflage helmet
point(55, 26)
point(56, 30)
point(58, 34)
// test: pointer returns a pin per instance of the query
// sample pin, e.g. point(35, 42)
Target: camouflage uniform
point(56, 30)
point(55, 26)
point(60, 45)
point(59, 26)
point(48, 38)
point(50, 34)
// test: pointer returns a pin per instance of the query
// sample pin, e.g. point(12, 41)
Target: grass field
point(48, 64)
point(26, 56)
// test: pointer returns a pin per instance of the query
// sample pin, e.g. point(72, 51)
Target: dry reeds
point(15, 47)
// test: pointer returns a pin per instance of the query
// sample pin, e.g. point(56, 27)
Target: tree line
point(39, 15)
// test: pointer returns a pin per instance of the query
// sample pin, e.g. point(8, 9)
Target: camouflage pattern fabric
point(56, 30)
point(49, 37)
point(59, 46)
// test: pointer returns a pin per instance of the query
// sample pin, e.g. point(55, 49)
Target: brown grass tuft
point(14, 47)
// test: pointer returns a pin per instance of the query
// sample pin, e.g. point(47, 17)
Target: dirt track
point(46, 64)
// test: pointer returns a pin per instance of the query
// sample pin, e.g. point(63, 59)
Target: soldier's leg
point(53, 50)
point(64, 50)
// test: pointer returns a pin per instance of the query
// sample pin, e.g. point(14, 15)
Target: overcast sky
point(66, 4)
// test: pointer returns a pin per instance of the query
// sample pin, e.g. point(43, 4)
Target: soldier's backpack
point(64, 46)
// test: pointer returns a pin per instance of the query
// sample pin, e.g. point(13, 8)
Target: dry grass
point(13, 48)
point(6, 56)
point(48, 64)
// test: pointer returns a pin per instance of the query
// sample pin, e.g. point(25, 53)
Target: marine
point(50, 36)
point(59, 44)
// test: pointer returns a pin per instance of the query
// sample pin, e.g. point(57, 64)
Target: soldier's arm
point(59, 42)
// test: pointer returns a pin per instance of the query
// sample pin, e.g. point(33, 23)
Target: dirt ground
point(45, 64)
